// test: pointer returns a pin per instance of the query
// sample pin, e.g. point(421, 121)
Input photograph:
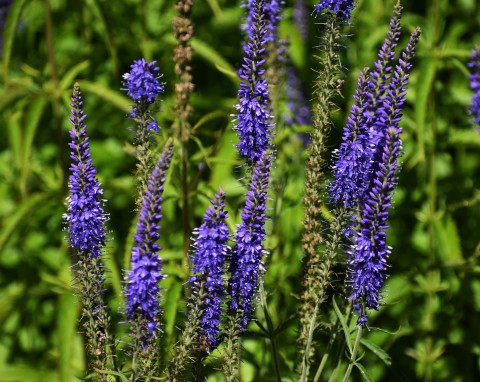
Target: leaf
point(13, 16)
point(112, 96)
point(33, 118)
point(172, 301)
point(343, 322)
point(67, 325)
point(105, 32)
point(211, 55)
point(363, 371)
point(71, 75)
point(377, 350)
point(208, 117)
point(23, 209)
point(425, 83)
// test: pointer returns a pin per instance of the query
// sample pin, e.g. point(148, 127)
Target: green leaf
point(208, 117)
point(343, 322)
point(71, 75)
point(23, 209)
point(378, 351)
point(67, 326)
point(363, 371)
point(172, 301)
point(105, 32)
point(211, 55)
point(33, 118)
point(112, 96)
point(13, 16)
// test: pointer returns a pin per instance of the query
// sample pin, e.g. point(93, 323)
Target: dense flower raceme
point(246, 267)
point(142, 290)
point(343, 8)
point(210, 252)
point(475, 85)
point(253, 123)
point(300, 18)
point(85, 216)
point(364, 172)
point(142, 86)
point(364, 125)
point(368, 262)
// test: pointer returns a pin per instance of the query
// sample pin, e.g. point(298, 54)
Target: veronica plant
point(210, 251)
point(253, 123)
point(85, 220)
point(475, 85)
point(142, 291)
point(317, 264)
point(246, 264)
point(143, 87)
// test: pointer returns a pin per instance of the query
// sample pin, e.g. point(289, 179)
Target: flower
point(142, 290)
point(246, 266)
point(253, 122)
point(209, 257)
point(85, 216)
point(342, 7)
point(475, 85)
point(364, 171)
point(368, 263)
point(142, 83)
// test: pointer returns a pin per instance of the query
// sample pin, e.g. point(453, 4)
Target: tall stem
point(354, 354)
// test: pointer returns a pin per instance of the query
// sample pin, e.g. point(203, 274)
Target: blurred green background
point(432, 298)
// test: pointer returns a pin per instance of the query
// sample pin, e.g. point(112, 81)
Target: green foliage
point(429, 321)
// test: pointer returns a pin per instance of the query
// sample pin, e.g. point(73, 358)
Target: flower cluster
point(364, 172)
point(343, 8)
point(253, 121)
point(142, 290)
point(475, 85)
point(208, 261)
point(246, 265)
point(85, 216)
point(142, 86)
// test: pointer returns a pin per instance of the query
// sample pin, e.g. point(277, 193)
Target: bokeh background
point(430, 321)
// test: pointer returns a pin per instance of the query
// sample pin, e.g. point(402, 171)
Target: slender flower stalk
point(143, 87)
point(182, 28)
point(142, 291)
point(317, 265)
point(85, 220)
point(475, 85)
point(253, 123)
point(246, 265)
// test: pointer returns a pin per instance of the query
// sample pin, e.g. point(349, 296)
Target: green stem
point(354, 354)
point(271, 333)
point(325, 356)
point(231, 367)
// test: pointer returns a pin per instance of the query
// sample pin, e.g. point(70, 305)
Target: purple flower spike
point(210, 254)
point(342, 7)
point(85, 217)
point(246, 267)
point(351, 168)
point(368, 263)
point(253, 123)
point(142, 291)
point(142, 83)
point(475, 85)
